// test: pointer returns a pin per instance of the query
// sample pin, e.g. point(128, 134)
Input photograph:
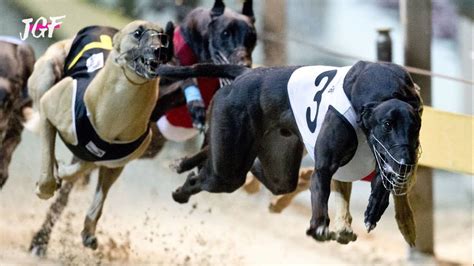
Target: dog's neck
point(120, 106)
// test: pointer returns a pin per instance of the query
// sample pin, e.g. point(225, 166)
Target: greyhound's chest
point(312, 90)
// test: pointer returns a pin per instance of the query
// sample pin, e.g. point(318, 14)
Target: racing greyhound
point(217, 35)
point(16, 64)
point(109, 74)
point(354, 122)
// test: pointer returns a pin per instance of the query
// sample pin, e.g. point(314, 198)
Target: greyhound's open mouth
point(397, 176)
point(147, 68)
point(152, 50)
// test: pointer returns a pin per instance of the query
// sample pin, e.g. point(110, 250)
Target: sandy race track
point(141, 223)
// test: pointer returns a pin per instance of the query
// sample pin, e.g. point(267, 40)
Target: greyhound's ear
point(116, 41)
point(365, 114)
point(353, 74)
point(26, 56)
point(169, 30)
point(247, 10)
point(419, 103)
point(217, 9)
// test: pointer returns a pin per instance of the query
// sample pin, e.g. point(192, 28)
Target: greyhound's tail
point(202, 70)
point(32, 120)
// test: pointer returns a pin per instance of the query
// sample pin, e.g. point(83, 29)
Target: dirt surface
point(142, 224)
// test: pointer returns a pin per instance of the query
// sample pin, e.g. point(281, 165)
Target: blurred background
point(140, 218)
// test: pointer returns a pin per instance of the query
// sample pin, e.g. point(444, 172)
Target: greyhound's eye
point(225, 34)
point(137, 34)
point(387, 126)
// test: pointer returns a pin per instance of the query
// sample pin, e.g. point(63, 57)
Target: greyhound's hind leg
point(107, 177)
point(39, 243)
point(191, 186)
point(279, 203)
point(48, 69)
point(342, 219)
point(47, 183)
point(187, 163)
point(230, 156)
point(252, 185)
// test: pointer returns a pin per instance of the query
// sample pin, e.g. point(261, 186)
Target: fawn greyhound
point(100, 108)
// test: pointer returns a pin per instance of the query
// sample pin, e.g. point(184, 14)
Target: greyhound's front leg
point(320, 189)
point(47, 183)
point(342, 219)
point(378, 203)
point(107, 177)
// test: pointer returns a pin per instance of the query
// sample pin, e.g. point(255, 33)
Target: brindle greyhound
point(100, 88)
point(352, 120)
point(16, 64)
point(216, 35)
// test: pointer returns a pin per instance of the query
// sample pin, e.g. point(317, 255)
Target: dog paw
point(180, 197)
point(252, 185)
point(45, 190)
point(39, 243)
point(279, 203)
point(345, 235)
point(370, 226)
point(176, 166)
point(275, 208)
point(321, 233)
point(38, 250)
point(89, 241)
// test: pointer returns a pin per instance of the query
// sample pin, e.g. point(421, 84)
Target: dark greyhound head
point(221, 35)
point(394, 128)
point(7, 97)
point(392, 123)
point(232, 36)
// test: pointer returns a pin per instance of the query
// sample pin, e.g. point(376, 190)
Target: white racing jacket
point(312, 90)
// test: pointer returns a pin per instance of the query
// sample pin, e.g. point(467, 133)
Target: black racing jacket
point(87, 56)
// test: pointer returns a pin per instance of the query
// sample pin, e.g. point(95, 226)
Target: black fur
point(252, 128)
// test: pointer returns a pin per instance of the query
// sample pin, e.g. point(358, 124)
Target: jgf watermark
point(39, 28)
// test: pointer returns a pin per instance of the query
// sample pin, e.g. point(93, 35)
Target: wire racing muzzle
point(152, 50)
point(397, 176)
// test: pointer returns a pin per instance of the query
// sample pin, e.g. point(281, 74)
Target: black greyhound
point(216, 35)
point(260, 123)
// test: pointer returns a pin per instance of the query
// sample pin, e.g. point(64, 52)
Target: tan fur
point(109, 96)
point(119, 111)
